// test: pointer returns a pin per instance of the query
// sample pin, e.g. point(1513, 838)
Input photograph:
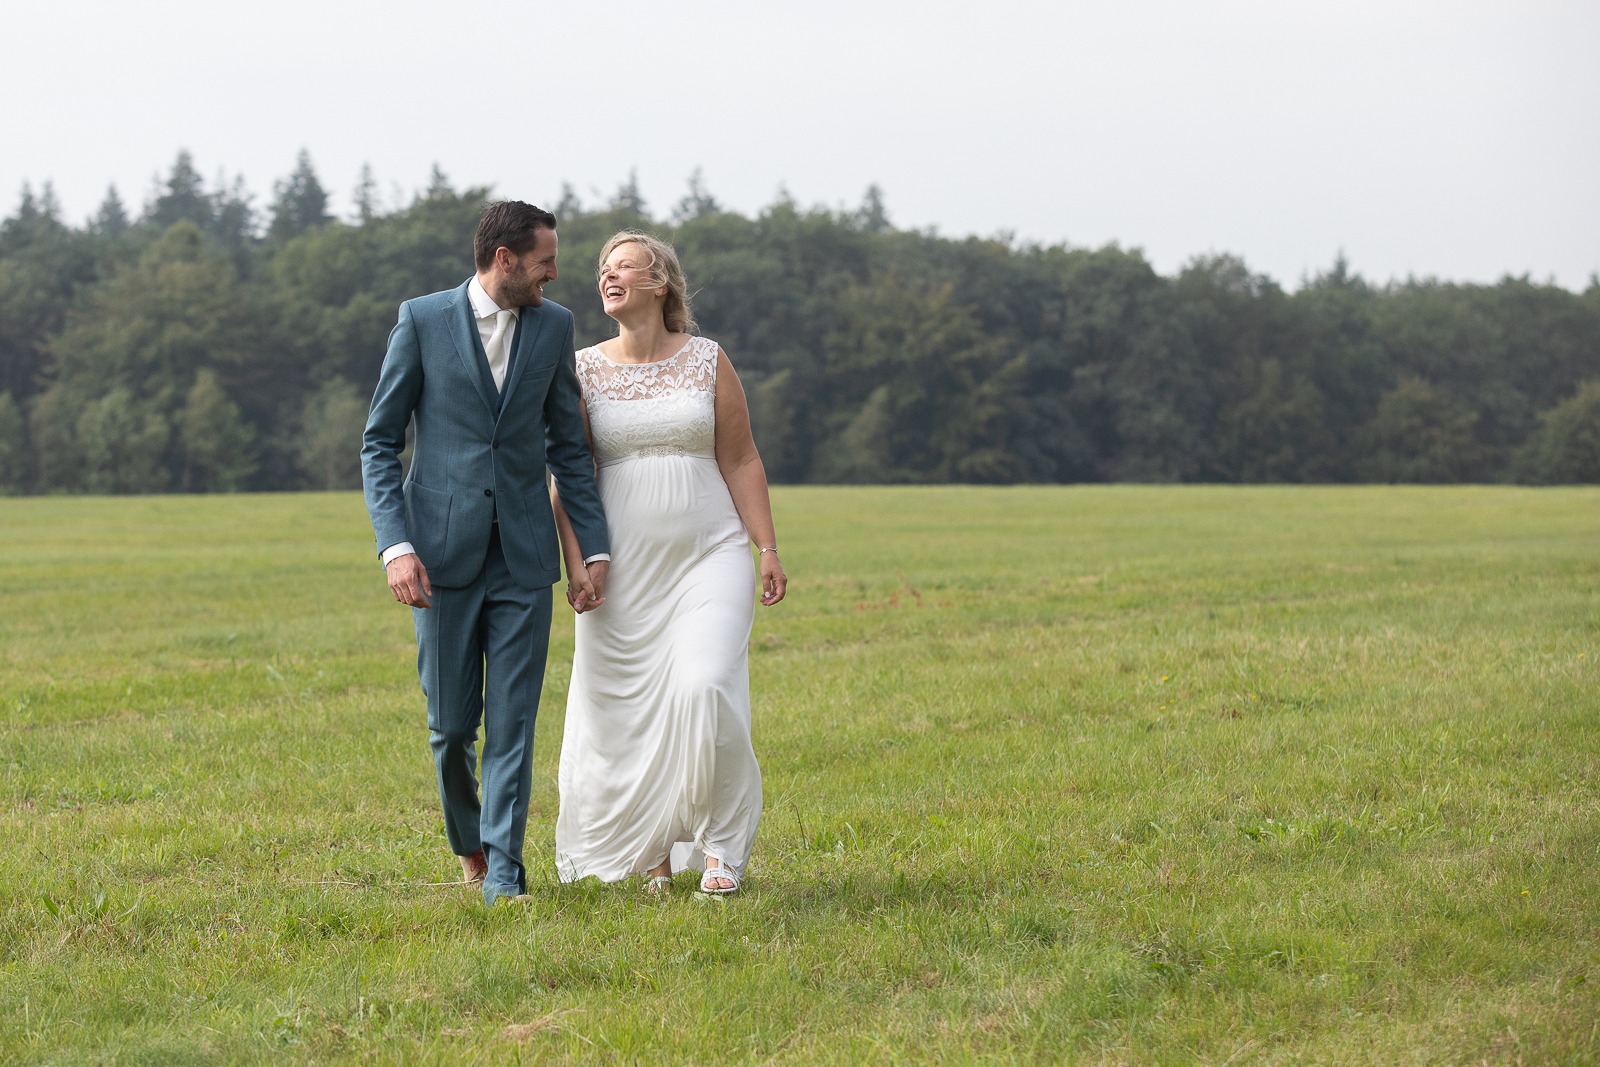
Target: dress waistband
point(653, 451)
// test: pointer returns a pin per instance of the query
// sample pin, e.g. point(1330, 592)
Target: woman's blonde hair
point(663, 269)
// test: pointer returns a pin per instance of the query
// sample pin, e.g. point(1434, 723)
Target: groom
point(466, 535)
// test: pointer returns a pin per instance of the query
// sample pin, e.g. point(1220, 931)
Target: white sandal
point(658, 885)
point(708, 881)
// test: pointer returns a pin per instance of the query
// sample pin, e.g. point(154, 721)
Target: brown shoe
point(474, 868)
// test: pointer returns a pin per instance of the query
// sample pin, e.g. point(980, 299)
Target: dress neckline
point(649, 362)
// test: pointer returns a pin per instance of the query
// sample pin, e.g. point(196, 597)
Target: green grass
point(1097, 775)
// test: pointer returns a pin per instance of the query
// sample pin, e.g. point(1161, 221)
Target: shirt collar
point(483, 305)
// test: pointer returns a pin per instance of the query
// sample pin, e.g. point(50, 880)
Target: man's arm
point(399, 385)
point(569, 458)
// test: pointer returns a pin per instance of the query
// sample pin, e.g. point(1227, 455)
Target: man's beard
point(525, 291)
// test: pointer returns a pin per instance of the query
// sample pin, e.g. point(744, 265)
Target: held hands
point(774, 583)
point(586, 587)
point(408, 580)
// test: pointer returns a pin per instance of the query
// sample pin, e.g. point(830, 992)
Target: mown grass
point(1098, 775)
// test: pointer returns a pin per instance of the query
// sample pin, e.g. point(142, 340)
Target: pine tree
point(628, 200)
point(111, 221)
point(182, 197)
point(299, 202)
point(698, 203)
point(873, 216)
point(438, 185)
point(366, 196)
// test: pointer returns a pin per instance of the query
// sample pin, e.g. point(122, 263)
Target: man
point(467, 538)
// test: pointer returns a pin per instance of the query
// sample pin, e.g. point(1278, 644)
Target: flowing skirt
point(656, 758)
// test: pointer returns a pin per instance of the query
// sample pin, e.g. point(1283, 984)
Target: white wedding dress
point(656, 757)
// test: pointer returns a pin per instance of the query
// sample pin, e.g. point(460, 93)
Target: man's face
point(524, 284)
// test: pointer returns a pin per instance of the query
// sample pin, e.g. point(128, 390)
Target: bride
point(657, 771)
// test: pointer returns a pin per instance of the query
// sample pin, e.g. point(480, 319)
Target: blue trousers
point(481, 653)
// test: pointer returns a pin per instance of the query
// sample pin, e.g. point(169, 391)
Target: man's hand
point(408, 580)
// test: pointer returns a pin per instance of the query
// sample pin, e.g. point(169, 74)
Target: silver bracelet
point(774, 551)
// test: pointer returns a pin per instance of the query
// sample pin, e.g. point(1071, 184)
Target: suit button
point(488, 492)
point(494, 444)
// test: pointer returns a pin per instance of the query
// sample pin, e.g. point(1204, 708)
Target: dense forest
point(207, 344)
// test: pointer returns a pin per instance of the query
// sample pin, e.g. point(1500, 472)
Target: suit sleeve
point(399, 386)
point(567, 452)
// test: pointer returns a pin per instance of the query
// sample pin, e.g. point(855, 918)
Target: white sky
point(1451, 138)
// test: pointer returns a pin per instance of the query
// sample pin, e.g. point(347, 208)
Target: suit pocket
point(532, 385)
point(428, 523)
point(535, 377)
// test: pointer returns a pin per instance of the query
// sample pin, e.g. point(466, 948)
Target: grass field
point(1097, 775)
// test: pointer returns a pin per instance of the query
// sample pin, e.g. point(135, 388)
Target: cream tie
point(499, 346)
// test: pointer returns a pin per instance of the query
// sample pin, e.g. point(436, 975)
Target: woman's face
point(624, 280)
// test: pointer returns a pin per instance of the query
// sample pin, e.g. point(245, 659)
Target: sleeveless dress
point(656, 757)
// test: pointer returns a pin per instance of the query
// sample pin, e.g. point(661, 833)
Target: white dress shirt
point(484, 309)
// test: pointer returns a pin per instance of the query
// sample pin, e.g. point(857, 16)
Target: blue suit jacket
point(479, 457)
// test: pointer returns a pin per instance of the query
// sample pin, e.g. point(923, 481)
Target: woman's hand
point(596, 572)
point(586, 585)
point(774, 583)
point(579, 587)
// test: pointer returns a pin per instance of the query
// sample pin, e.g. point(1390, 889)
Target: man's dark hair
point(508, 224)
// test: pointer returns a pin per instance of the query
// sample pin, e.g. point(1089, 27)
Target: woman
point(657, 768)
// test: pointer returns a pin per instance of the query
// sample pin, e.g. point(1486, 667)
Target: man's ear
point(504, 259)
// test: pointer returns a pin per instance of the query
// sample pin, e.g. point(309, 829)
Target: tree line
point(206, 345)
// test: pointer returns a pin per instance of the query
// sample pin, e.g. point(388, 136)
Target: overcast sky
point(1450, 138)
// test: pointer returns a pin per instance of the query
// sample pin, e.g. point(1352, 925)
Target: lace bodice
point(665, 408)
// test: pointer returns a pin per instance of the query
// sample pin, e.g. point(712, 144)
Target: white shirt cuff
point(598, 557)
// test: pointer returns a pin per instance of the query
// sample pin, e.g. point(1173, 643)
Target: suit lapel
point(529, 324)
point(469, 347)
